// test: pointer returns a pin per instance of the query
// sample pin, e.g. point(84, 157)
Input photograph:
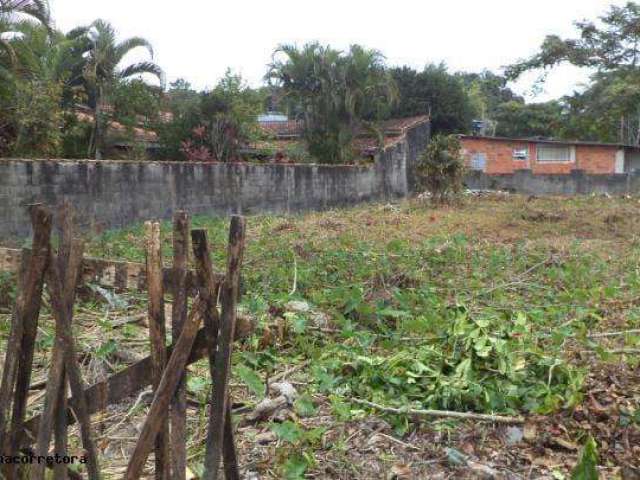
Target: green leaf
point(287, 431)
point(252, 380)
point(295, 467)
point(586, 469)
point(107, 349)
point(304, 406)
point(197, 385)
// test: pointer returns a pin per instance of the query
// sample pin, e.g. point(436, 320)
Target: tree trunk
point(98, 126)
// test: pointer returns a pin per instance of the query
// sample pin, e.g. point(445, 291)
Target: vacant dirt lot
point(503, 305)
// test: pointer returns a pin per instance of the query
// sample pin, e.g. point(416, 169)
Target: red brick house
point(499, 155)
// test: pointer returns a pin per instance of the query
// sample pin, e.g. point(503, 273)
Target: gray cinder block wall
point(110, 194)
point(577, 183)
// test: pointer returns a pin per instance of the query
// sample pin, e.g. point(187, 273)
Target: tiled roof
point(116, 129)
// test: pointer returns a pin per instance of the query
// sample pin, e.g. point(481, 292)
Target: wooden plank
point(131, 380)
point(80, 407)
point(209, 292)
point(120, 276)
point(181, 226)
point(157, 335)
point(19, 360)
point(230, 293)
point(165, 392)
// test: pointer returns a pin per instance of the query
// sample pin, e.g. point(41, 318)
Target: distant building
point(501, 155)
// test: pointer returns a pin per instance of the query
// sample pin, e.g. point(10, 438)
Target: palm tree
point(339, 93)
point(102, 70)
point(14, 13)
point(16, 10)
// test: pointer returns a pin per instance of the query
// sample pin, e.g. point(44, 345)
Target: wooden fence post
point(178, 318)
point(56, 379)
point(16, 374)
point(230, 290)
point(79, 404)
point(209, 291)
point(157, 334)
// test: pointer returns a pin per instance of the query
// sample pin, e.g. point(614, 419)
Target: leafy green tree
point(338, 93)
point(39, 124)
point(43, 59)
point(182, 104)
point(437, 92)
point(516, 119)
point(229, 112)
point(213, 125)
point(610, 107)
point(441, 168)
point(13, 14)
point(102, 72)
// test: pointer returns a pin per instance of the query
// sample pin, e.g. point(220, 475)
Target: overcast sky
point(198, 39)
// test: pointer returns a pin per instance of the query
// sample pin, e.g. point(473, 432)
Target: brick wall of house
point(596, 159)
point(499, 157)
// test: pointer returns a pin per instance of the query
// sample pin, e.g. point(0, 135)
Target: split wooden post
point(16, 375)
point(230, 293)
point(56, 383)
point(80, 407)
point(209, 292)
point(157, 334)
point(178, 317)
point(165, 392)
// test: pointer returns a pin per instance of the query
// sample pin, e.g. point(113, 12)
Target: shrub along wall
point(110, 194)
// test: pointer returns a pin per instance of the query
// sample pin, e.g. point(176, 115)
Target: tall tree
point(103, 70)
point(611, 47)
point(437, 92)
point(339, 93)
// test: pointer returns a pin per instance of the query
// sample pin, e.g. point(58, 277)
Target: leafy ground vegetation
point(503, 305)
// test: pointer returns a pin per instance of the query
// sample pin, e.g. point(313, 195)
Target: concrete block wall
point(577, 182)
point(111, 194)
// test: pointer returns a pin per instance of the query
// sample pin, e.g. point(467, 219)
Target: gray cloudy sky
point(199, 39)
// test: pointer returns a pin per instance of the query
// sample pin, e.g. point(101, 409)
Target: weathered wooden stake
point(157, 334)
point(16, 375)
point(60, 426)
point(80, 407)
point(70, 272)
point(178, 317)
point(230, 290)
point(209, 292)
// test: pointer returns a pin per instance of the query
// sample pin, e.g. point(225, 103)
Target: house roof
point(118, 132)
point(551, 141)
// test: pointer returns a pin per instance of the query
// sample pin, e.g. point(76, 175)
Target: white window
point(479, 161)
point(520, 153)
point(556, 153)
